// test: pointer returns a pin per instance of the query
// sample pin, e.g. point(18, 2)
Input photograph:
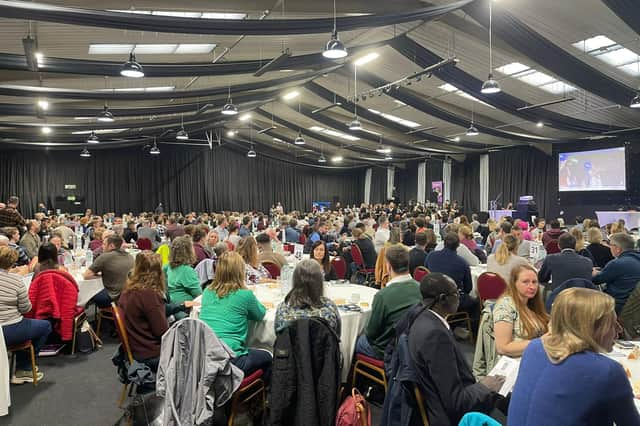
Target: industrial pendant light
point(299, 140)
point(472, 130)
point(490, 86)
point(154, 149)
point(229, 108)
point(105, 116)
point(132, 68)
point(355, 123)
point(251, 153)
point(335, 48)
point(93, 138)
point(322, 159)
point(182, 135)
point(635, 102)
point(85, 153)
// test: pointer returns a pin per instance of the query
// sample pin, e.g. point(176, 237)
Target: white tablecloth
point(631, 219)
point(86, 288)
point(262, 333)
point(476, 271)
point(499, 214)
point(5, 376)
point(633, 366)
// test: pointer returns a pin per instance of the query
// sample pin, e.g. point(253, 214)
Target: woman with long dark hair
point(320, 254)
point(305, 298)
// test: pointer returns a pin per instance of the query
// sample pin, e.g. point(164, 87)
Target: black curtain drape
point(184, 180)
point(524, 171)
point(406, 182)
point(378, 185)
point(465, 188)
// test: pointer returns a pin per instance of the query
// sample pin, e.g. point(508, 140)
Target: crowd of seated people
point(160, 284)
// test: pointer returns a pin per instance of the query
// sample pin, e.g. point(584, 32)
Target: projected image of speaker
point(597, 170)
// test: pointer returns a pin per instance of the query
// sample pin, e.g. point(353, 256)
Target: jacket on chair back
point(54, 295)
point(195, 374)
point(306, 374)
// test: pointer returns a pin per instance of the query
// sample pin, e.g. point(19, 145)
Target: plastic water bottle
point(286, 275)
point(68, 260)
point(88, 259)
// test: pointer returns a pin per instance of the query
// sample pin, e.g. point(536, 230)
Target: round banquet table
point(86, 288)
point(262, 333)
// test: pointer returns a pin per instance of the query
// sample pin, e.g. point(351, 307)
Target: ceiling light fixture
point(93, 138)
point(472, 130)
point(337, 159)
point(540, 124)
point(299, 140)
point(132, 68)
point(355, 124)
point(46, 130)
point(229, 108)
point(388, 157)
point(43, 104)
point(366, 59)
point(85, 153)
point(335, 48)
point(105, 116)
point(182, 134)
point(490, 86)
point(231, 133)
point(251, 153)
point(456, 139)
point(635, 102)
point(291, 95)
point(322, 159)
point(154, 149)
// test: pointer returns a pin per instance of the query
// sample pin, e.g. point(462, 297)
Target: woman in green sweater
point(183, 284)
point(228, 306)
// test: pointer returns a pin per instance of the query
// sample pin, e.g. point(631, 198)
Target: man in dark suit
point(445, 378)
point(565, 265)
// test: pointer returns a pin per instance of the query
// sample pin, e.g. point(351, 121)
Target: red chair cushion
point(377, 362)
point(251, 378)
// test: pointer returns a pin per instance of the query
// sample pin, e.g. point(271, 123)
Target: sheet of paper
point(507, 367)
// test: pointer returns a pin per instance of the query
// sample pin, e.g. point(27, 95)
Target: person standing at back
point(382, 233)
point(389, 304)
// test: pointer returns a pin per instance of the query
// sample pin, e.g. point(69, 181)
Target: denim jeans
point(254, 360)
point(102, 299)
point(364, 347)
point(27, 329)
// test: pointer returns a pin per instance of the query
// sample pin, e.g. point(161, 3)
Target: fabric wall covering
point(541, 50)
point(169, 24)
point(378, 185)
point(465, 185)
point(184, 180)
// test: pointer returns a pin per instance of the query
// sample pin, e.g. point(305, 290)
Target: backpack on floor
point(354, 411)
point(86, 340)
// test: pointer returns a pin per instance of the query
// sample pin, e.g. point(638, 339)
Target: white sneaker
point(25, 376)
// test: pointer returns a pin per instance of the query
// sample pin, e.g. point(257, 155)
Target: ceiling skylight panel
point(396, 119)
point(155, 49)
point(594, 43)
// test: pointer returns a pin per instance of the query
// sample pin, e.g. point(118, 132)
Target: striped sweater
point(14, 298)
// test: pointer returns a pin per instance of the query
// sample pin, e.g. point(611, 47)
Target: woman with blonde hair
point(580, 244)
point(601, 253)
point(564, 379)
point(143, 303)
point(381, 273)
point(519, 314)
point(182, 280)
point(228, 306)
point(255, 272)
point(506, 258)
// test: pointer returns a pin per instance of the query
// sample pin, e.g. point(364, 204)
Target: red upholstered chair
point(289, 248)
point(356, 255)
point(274, 270)
point(251, 387)
point(340, 266)
point(419, 273)
point(552, 247)
point(490, 286)
point(302, 239)
point(371, 368)
point(144, 244)
point(230, 245)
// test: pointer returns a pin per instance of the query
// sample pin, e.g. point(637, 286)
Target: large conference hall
point(318, 213)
